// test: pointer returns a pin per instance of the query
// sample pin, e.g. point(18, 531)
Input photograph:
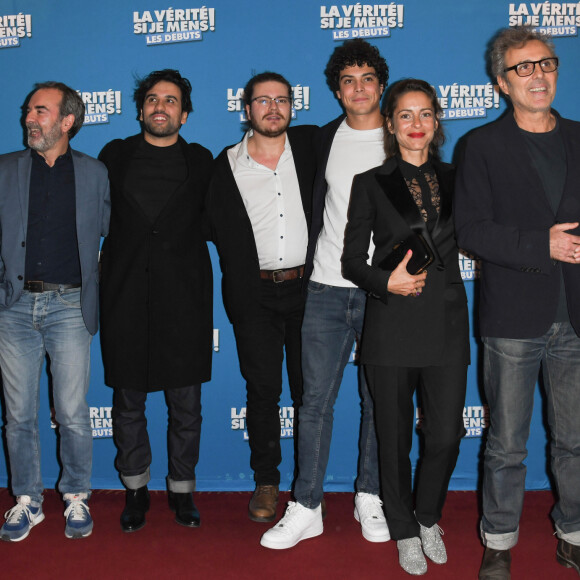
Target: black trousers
point(261, 343)
point(132, 440)
point(442, 397)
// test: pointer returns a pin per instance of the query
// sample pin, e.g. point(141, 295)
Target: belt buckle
point(35, 286)
point(275, 274)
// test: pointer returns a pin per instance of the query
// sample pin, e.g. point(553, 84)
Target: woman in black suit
point(416, 325)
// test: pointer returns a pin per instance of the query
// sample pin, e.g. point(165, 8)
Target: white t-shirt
point(352, 152)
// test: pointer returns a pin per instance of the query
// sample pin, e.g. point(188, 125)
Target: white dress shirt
point(274, 206)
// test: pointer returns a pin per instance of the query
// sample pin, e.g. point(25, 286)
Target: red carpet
point(227, 544)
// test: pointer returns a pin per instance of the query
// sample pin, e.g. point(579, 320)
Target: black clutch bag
point(422, 255)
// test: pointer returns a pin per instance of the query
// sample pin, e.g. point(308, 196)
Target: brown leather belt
point(40, 286)
point(282, 275)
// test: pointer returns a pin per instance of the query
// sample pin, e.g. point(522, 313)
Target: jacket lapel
point(569, 207)
point(24, 170)
point(81, 191)
point(395, 188)
point(445, 178)
point(118, 172)
point(224, 171)
point(301, 163)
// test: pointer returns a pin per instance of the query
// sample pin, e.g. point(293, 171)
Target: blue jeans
point(511, 368)
point(40, 323)
point(333, 318)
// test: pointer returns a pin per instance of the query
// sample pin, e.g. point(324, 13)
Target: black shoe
point(568, 555)
point(495, 565)
point(186, 513)
point(136, 506)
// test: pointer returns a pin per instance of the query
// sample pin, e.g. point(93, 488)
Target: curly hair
point(355, 52)
point(71, 104)
point(515, 37)
point(395, 92)
point(169, 75)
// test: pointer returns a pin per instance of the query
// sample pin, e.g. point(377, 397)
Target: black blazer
point(156, 285)
point(428, 330)
point(503, 216)
point(231, 229)
point(322, 144)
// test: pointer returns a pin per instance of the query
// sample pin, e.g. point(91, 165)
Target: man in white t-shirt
point(334, 313)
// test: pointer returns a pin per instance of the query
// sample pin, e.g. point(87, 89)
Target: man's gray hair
point(514, 37)
point(71, 104)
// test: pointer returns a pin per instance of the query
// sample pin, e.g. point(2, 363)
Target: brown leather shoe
point(495, 565)
point(568, 555)
point(263, 504)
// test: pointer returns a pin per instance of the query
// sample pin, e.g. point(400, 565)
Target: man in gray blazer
point(54, 208)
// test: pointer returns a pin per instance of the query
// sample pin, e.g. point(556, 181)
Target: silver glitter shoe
point(411, 556)
point(433, 545)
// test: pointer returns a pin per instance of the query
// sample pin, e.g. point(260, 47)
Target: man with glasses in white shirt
point(259, 206)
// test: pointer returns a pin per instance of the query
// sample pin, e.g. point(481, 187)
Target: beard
point(170, 128)
point(44, 141)
point(262, 130)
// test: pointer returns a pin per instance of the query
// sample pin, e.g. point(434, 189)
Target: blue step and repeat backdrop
point(100, 47)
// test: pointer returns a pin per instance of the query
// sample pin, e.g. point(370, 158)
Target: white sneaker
point(368, 510)
point(299, 523)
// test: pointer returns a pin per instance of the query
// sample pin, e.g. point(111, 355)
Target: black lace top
point(424, 187)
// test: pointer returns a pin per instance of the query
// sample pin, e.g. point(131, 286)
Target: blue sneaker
point(79, 523)
point(20, 519)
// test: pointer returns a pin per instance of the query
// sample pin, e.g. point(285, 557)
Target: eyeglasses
point(527, 68)
point(265, 101)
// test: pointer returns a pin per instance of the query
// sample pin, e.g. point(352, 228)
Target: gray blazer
point(92, 222)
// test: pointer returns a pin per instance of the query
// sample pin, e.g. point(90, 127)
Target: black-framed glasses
point(527, 68)
point(265, 101)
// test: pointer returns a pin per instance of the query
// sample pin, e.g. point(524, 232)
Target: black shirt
point(153, 176)
point(51, 241)
point(549, 158)
point(424, 187)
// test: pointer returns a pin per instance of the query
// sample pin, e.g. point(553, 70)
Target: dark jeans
point(261, 342)
point(442, 392)
point(132, 440)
